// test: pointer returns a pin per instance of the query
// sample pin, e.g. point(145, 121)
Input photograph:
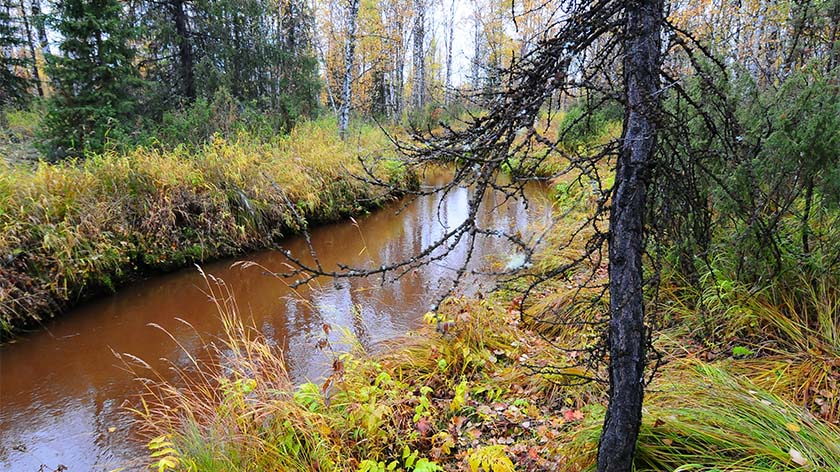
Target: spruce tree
point(299, 84)
point(13, 87)
point(95, 77)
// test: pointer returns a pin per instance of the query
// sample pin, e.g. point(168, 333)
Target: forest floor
point(17, 138)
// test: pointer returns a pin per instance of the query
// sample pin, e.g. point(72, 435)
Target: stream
point(63, 392)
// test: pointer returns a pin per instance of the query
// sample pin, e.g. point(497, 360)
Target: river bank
point(77, 229)
point(482, 388)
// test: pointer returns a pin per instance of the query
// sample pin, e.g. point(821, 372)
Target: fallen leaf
point(797, 457)
point(458, 421)
point(112, 429)
point(573, 415)
point(793, 427)
point(423, 426)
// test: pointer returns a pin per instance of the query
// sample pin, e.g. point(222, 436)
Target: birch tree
point(449, 40)
point(418, 56)
point(351, 15)
point(394, 17)
point(30, 42)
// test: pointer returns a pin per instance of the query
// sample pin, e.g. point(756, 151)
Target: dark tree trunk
point(627, 337)
point(185, 57)
point(40, 25)
point(30, 42)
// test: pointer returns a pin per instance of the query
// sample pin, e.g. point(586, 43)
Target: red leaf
point(572, 415)
point(423, 426)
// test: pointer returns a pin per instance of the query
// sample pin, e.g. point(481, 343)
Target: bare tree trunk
point(36, 76)
point(399, 86)
point(393, 19)
point(329, 88)
point(418, 89)
point(627, 338)
point(349, 53)
point(450, 40)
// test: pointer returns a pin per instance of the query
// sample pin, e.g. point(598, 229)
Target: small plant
point(164, 453)
point(741, 352)
point(490, 459)
point(410, 461)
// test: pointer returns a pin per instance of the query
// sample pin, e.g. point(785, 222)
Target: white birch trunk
point(349, 53)
point(418, 89)
point(450, 38)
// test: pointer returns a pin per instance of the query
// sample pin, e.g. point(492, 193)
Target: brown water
point(62, 390)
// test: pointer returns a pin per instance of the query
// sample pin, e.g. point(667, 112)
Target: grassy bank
point(71, 230)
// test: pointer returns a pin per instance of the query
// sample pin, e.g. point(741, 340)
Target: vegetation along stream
point(64, 392)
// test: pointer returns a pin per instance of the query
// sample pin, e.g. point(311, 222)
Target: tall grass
point(72, 229)
point(699, 417)
point(785, 337)
point(233, 406)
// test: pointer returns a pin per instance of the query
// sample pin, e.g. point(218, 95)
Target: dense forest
point(681, 311)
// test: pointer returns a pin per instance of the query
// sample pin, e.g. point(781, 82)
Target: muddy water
point(62, 390)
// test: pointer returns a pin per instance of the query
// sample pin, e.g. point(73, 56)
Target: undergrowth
point(436, 402)
point(461, 394)
point(73, 229)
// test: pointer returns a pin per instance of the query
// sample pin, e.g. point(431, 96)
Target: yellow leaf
point(797, 457)
point(793, 427)
point(474, 462)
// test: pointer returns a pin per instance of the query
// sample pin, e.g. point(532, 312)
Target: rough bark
point(627, 339)
point(349, 53)
point(40, 25)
